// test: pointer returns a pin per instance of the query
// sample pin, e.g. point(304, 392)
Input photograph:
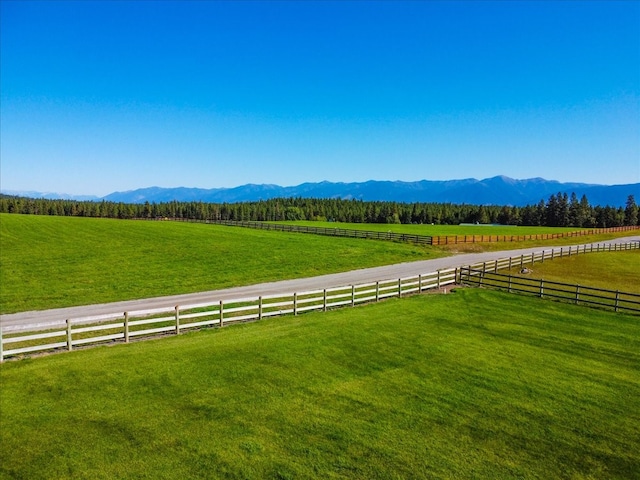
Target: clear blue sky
point(108, 96)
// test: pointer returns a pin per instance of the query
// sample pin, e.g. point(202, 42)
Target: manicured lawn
point(48, 262)
point(474, 384)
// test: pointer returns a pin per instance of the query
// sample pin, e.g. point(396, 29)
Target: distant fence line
point(406, 237)
point(455, 239)
point(124, 326)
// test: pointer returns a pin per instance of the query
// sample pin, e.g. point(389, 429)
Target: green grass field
point(475, 384)
point(471, 230)
point(607, 270)
point(437, 230)
point(48, 262)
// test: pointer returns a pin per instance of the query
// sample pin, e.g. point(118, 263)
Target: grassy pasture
point(48, 262)
point(607, 270)
point(437, 230)
point(476, 384)
point(470, 230)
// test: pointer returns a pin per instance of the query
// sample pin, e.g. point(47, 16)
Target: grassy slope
point(608, 270)
point(48, 262)
point(476, 384)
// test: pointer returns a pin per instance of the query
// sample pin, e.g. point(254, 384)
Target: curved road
point(17, 321)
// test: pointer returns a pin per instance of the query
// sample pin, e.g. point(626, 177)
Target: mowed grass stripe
point(48, 262)
point(475, 384)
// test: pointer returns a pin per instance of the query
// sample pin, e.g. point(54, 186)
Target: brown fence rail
point(333, 232)
point(455, 239)
point(578, 294)
point(406, 237)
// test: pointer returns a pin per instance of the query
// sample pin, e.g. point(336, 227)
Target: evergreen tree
point(631, 211)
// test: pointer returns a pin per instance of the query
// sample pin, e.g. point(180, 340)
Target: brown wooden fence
point(455, 239)
point(406, 237)
point(573, 293)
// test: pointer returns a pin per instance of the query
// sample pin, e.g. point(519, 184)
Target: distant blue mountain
point(50, 195)
point(498, 190)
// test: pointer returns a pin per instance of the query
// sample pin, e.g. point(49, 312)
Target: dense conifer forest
point(560, 210)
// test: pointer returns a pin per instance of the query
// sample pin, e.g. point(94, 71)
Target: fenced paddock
point(407, 237)
point(578, 294)
point(456, 239)
point(126, 326)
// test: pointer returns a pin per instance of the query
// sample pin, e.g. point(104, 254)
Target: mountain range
point(498, 190)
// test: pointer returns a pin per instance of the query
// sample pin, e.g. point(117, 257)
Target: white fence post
point(126, 327)
point(353, 295)
point(399, 288)
point(177, 320)
point(1, 350)
point(260, 307)
point(69, 339)
point(295, 303)
point(221, 314)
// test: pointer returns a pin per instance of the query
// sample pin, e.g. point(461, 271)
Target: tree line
point(560, 210)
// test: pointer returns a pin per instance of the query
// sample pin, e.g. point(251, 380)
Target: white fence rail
point(144, 323)
point(127, 325)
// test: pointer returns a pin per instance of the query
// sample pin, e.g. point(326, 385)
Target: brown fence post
point(377, 291)
point(399, 288)
point(295, 303)
point(221, 314)
point(324, 300)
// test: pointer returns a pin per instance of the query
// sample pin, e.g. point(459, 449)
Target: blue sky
point(109, 96)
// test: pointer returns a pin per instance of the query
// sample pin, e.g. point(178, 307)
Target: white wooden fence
point(125, 326)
